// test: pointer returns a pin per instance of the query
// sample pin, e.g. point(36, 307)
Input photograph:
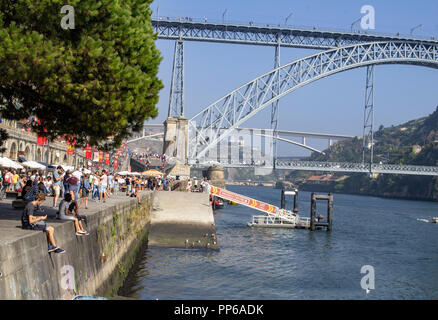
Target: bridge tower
point(176, 125)
point(368, 121)
point(275, 105)
point(176, 100)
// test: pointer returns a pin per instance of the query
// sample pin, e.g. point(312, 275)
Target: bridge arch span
point(219, 119)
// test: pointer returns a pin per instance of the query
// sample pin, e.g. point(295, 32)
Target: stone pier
point(182, 219)
point(175, 138)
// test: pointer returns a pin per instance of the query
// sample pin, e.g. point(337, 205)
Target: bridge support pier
point(216, 176)
point(175, 138)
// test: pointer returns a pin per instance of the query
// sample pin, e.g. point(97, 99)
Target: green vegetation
point(414, 143)
point(94, 82)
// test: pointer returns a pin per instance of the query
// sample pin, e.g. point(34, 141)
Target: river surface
point(259, 263)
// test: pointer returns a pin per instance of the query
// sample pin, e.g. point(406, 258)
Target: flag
point(116, 162)
point(107, 158)
point(100, 156)
point(96, 156)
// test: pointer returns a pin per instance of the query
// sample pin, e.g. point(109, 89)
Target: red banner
point(116, 162)
point(246, 201)
point(107, 158)
point(88, 153)
point(100, 156)
point(70, 146)
point(41, 141)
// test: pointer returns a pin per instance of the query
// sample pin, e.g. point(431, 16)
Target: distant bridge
point(346, 167)
point(149, 132)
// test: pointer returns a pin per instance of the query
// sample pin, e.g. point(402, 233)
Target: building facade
point(24, 144)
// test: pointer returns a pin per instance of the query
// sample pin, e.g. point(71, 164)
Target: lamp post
point(223, 15)
point(355, 23)
point(287, 18)
point(416, 27)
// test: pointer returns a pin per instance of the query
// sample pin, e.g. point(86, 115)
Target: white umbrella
point(135, 174)
point(66, 168)
point(34, 165)
point(8, 163)
point(124, 173)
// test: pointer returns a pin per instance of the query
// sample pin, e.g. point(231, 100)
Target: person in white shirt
point(103, 185)
point(78, 174)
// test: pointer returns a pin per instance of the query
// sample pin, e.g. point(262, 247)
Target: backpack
point(73, 180)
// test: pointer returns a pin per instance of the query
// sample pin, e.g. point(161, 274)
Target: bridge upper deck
point(268, 35)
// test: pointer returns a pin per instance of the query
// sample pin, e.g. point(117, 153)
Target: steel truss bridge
point(342, 51)
point(346, 167)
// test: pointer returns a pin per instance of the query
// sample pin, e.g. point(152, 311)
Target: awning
point(8, 163)
point(21, 159)
point(33, 165)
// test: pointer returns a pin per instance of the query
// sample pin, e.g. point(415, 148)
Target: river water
point(299, 264)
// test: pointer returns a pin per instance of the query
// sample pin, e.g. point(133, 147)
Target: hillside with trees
point(412, 143)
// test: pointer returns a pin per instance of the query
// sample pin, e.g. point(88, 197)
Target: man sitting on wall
point(31, 222)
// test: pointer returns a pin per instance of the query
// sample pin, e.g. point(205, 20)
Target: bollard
point(283, 200)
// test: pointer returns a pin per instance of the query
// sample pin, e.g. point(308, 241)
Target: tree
point(96, 82)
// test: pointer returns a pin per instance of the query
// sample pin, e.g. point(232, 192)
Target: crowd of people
point(151, 160)
point(144, 157)
point(196, 185)
point(73, 189)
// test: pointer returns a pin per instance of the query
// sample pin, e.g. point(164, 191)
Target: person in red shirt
point(8, 178)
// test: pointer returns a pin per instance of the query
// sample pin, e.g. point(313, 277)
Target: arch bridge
point(219, 121)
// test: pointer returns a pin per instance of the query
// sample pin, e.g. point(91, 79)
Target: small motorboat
point(217, 203)
point(434, 219)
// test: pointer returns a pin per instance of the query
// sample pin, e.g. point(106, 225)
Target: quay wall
point(92, 265)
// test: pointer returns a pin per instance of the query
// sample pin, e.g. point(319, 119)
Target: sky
point(332, 105)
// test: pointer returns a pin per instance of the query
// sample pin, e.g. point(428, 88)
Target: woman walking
point(85, 190)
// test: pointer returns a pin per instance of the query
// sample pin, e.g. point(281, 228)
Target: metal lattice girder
point(264, 35)
point(242, 103)
point(368, 119)
point(176, 100)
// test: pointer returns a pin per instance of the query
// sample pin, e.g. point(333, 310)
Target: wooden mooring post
point(283, 199)
point(317, 224)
